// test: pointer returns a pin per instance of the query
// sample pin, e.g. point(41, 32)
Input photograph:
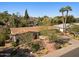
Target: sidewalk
point(60, 52)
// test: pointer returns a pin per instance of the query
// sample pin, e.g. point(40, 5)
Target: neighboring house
point(60, 26)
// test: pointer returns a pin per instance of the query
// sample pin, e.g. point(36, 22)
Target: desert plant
point(61, 42)
point(26, 38)
point(35, 47)
point(53, 37)
point(52, 34)
point(74, 28)
point(58, 46)
point(14, 44)
point(2, 39)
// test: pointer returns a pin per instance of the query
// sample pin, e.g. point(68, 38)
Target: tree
point(14, 20)
point(57, 20)
point(4, 17)
point(46, 21)
point(62, 10)
point(26, 15)
point(71, 19)
point(39, 22)
point(67, 9)
point(23, 22)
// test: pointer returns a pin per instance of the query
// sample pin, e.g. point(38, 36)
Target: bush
point(14, 44)
point(74, 28)
point(35, 47)
point(61, 42)
point(6, 31)
point(58, 46)
point(2, 39)
point(26, 38)
point(53, 37)
point(52, 34)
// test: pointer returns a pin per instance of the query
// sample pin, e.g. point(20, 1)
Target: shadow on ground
point(73, 53)
point(11, 52)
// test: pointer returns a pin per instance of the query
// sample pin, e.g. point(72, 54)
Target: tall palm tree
point(67, 9)
point(62, 10)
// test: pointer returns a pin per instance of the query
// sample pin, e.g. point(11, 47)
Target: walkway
point(49, 46)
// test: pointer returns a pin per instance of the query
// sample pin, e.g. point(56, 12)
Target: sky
point(38, 9)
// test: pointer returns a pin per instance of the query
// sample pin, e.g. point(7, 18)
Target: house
point(60, 27)
point(35, 30)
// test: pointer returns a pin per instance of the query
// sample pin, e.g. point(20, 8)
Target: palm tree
point(67, 9)
point(62, 10)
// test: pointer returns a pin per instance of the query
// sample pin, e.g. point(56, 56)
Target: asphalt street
point(73, 53)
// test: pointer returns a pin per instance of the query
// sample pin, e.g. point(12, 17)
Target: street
point(73, 53)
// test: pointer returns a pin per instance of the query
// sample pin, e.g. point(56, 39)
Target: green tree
point(62, 10)
point(14, 20)
point(26, 16)
point(71, 19)
point(39, 22)
point(46, 21)
point(57, 20)
point(67, 9)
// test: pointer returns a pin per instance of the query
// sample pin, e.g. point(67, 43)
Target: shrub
point(26, 38)
point(74, 28)
point(14, 44)
point(58, 46)
point(52, 34)
point(35, 47)
point(2, 39)
point(53, 37)
point(6, 31)
point(44, 32)
point(61, 42)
